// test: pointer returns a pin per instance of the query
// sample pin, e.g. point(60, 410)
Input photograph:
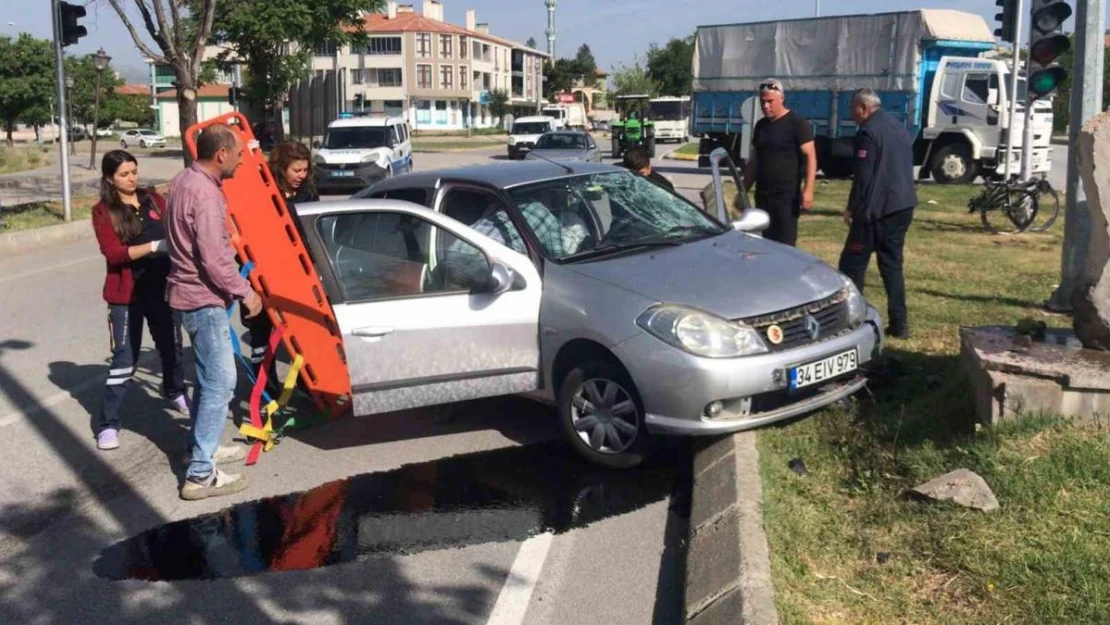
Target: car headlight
point(701, 333)
point(857, 307)
point(377, 158)
point(319, 160)
point(512, 140)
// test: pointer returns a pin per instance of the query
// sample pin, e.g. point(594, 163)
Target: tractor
point(632, 128)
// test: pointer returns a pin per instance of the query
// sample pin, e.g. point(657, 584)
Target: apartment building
point(435, 74)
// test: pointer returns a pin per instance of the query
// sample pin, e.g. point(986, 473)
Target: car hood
point(524, 138)
point(558, 155)
point(733, 275)
point(343, 157)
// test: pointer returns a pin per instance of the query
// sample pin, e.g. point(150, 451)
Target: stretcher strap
point(257, 427)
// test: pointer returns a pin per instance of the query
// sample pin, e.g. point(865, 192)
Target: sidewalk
point(45, 183)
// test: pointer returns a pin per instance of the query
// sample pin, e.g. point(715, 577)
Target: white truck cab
point(359, 151)
point(526, 131)
point(566, 116)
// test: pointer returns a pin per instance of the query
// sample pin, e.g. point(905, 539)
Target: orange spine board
point(263, 232)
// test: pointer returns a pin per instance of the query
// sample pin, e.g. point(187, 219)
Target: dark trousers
point(259, 330)
point(784, 209)
point(125, 326)
point(886, 238)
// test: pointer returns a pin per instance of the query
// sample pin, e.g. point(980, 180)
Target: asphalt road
point(65, 507)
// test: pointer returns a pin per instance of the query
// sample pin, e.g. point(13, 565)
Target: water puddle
point(494, 496)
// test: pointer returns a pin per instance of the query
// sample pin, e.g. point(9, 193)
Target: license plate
point(342, 174)
point(821, 370)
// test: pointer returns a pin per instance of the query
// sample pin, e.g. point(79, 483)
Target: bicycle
point(1018, 204)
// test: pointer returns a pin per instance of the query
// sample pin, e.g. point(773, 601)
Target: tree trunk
point(186, 108)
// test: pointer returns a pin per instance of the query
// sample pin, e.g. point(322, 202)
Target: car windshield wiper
point(606, 249)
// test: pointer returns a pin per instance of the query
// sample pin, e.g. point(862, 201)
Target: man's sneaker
point(108, 439)
point(217, 484)
point(224, 454)
point(181, 405)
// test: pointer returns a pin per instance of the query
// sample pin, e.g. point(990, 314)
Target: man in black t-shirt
point(780, 142)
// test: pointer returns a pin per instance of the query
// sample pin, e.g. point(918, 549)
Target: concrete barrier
point(22, 241)
point(728, 567)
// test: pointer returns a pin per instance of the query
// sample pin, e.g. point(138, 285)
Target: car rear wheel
point(602, 417)
point(123, 143)
point(142, 143)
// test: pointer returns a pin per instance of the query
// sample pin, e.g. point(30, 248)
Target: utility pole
point(816, 8)
point(59, 67)
point(1018, 9)
point(1086, 102)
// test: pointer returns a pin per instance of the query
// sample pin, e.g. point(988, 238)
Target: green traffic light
point(1045, 81)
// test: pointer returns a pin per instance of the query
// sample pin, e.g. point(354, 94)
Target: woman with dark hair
point(291, 165)
point(129, 227)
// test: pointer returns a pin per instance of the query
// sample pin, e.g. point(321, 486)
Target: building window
point(441, 112)
point(446, 77)
point(356, 76)
point(325, 50)
point(390, 77)
point(446, 49)
point(394, 108)
point(384, 46)
point(462, 77)
point(423, 45)
point(463, 41)
point(423, 76)
point(423, 111)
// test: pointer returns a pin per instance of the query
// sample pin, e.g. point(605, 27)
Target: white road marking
point(516, 594)
point(34, 272)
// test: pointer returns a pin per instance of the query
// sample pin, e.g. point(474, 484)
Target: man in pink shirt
point(204, 280)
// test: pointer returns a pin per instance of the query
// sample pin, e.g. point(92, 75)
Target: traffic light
point(71, 30)
point(1007, 20)
point(1046, 44)
point(234, 94)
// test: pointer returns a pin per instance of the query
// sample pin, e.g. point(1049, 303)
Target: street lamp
point(100, 61)
point(69, 115)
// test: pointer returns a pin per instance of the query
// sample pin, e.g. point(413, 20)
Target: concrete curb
point(728, 566)
point(672, 156)
point(27, 240)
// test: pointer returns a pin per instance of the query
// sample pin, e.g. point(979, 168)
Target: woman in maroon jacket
point(132, 237)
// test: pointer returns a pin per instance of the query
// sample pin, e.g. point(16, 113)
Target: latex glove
point(158, 247)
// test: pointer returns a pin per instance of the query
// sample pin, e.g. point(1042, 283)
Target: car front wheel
point(602, 417)
point(123, 143)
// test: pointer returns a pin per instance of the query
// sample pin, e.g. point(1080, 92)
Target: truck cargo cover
point(879, 51)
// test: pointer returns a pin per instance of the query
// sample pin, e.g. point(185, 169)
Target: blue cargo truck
point(931, 68)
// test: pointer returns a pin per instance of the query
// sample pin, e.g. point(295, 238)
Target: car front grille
point(339, 166)
point(830, 315)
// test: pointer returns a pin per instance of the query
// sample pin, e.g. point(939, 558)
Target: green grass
point(1043, 557)
point(690, 149)
point(40, 214)
point(445, 146)
point(13, 159)
point(420, 134)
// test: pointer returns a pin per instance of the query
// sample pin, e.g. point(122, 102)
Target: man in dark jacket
point(880, 207)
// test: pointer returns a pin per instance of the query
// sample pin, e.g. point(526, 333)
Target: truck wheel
point(601, 415)
point(649, 145)
point(952, 164)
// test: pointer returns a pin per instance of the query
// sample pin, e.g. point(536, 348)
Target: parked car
point(567, 145)
point(589, 287)
point(142, 137)
point(360, 151)
point(77, 133)
point(105, 132)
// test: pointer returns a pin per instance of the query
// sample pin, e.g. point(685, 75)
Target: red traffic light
point(1048, 49)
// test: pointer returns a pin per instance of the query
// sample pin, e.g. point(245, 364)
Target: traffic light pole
point(62, 118)
point(1016, 58)
point(1086, 102)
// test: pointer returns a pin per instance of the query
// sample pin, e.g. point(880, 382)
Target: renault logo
point(813, 327)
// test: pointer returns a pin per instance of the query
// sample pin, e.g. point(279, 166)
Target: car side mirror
point(752, 220)
point(500, 279)
point(316, 144)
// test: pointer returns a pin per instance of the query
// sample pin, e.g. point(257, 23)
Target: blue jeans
point(210, 333)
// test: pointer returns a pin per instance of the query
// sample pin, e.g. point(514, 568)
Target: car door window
point(976, 89)
point(483, 213)
point(383, 255)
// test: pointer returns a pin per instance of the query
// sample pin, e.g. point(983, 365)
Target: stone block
point(1091, 297)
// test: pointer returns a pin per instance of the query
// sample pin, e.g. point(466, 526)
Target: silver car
point(566, 145)
point(589, 287)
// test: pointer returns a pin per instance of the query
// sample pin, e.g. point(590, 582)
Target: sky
point(594, 22)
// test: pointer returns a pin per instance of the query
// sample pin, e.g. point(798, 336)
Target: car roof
point(498, 175)
point(364, 122)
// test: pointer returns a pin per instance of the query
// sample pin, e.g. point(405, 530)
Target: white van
point(525, 132)
point(360, 151)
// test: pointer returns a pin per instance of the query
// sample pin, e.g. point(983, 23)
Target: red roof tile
point(133, 90)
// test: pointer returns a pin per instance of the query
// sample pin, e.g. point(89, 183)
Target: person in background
point(638, 161)
point(291, 166)
point(203, 282)
point(779, 141)
point(129, 227)
point(880, 205)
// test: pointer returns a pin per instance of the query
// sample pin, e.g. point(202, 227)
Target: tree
point(560, 76)
point(82, 96)
point(634, 80)
point(499, 103)
point(531, 43)
point(586, 65)
point(671, 67)
point(257, 33)
point(26, 79)
point(180, 29)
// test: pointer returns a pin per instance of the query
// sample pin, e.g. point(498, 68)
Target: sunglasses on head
point(770, 86)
